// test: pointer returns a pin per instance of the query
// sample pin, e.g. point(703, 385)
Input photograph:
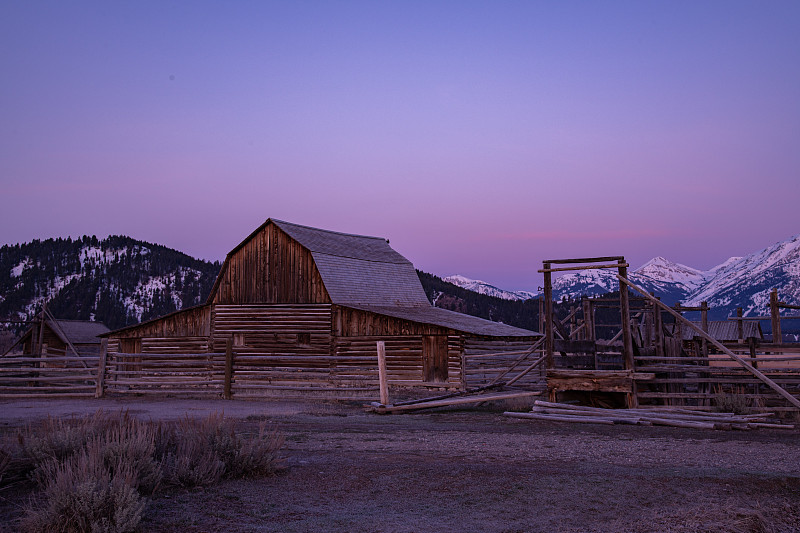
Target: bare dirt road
point(473, 470)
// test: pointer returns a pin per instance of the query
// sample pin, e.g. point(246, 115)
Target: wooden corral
point(299, 312)
point(659, 358)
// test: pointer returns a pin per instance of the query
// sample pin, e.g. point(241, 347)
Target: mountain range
point(738, 282)
point(122, 281)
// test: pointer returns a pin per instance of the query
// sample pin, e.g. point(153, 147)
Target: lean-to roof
point(450, 319)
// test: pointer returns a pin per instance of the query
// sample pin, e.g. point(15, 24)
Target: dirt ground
point(470, 470)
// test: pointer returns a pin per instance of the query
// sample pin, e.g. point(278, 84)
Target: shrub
point(735, 402)
point(95, 471)
point(200, 452)
point(84, 494)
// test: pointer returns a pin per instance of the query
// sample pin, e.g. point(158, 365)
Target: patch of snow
point(17, 270)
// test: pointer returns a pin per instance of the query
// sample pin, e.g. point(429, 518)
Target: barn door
point(434, 358)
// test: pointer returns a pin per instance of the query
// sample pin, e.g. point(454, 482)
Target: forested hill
point(117, 280)
point(519, 313)
point(121, 281)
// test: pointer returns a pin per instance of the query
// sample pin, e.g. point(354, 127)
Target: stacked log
point(647, 417)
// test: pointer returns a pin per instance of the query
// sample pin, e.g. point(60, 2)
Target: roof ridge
point(360, 258)
point(328, 230)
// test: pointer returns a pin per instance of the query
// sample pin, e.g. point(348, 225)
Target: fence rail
point(54, 374)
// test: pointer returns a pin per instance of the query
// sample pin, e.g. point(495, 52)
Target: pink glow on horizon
point(479, 138)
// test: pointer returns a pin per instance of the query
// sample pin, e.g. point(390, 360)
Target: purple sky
point(479, 137)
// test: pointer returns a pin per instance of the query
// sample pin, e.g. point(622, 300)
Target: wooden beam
point(384, 388)
point(585, 260)
point(226, 390)
point(456, 401)
point(747, 366)
point(548, 315)
point(101, 369)
point(583, 267)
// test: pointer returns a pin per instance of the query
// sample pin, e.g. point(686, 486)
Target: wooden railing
point(54, 373)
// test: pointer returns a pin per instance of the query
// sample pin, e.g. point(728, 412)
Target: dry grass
point(95, 473)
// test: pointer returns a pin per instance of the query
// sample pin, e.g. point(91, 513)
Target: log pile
point(647, 417)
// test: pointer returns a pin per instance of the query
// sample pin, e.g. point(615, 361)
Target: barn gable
point(283, 262)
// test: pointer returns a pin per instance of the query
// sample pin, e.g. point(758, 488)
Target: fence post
point(226, 391)
point(384, 388)
point(101, 369)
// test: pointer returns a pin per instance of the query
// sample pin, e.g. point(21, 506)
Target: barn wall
point(194, 322)
point(349, 322)
point(270, 267)
point(404, 358)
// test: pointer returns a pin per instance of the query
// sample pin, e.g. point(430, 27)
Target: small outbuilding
point(54, 336)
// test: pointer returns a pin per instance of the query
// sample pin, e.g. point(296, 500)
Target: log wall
point(349, 322)
point(192, 322)
point(404, 361)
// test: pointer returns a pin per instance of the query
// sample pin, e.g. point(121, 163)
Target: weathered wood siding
point(274, 329)
point(193, 322)
point(480, 371)
point(270, 267)
point(174, 345)
point(356, 323)
point(404, 360)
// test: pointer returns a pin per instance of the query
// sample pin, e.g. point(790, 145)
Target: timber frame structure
point(298, 311)
point(665, 363)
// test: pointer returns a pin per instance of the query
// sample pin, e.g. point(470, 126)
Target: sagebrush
point(97, 472)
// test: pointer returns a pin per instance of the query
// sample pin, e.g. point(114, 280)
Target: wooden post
point(747, 366)
point(588, 319)
point(41, 334)
point(541, 315)
point(627, 340)
point(774, 311)
point(647, 326)
point(740, 325)
point(704, 325)
point(548, 314)
point(226, 391)
point(573, 321)
point(101, 370)
point(384, 388)
point(658, 324)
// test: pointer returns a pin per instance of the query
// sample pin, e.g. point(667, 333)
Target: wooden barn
point(303, 309)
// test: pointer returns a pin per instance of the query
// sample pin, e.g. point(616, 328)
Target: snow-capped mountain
point(746, 281)
point(737, 282)
point(481, 287)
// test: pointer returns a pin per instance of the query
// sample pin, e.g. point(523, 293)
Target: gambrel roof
point(358, 270)
point(366, 273)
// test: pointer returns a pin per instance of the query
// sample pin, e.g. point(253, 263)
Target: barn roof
point(726, 330)
point(81, 331)
point(450, 319)
point(360, 270)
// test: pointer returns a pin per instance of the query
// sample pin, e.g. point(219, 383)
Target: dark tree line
point(106, 280)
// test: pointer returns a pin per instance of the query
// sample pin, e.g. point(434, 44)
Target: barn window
point(238, 339)
point(304, 339)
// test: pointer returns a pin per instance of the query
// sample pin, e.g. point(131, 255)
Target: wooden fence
point(695, 380)
point(54, 374)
